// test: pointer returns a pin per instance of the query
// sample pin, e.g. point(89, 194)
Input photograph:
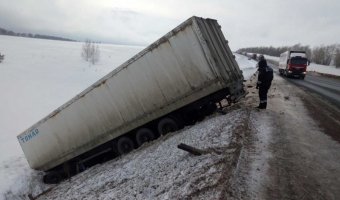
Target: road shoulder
point(292, 158)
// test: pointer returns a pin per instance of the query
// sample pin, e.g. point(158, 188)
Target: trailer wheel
point(125, 145)
point(52, 178)
point(144, 135)
point(209, 108)
point(167, 125)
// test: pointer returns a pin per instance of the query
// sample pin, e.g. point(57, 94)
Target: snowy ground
point(278, 153)
point(330, 70)
point(160, 170)
point(249, 154)
point(36, 77)
point(247, 66)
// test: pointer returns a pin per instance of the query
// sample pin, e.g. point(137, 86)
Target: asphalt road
point(327, 87)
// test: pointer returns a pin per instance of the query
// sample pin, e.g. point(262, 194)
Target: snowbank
point(247, 66)
point(331, 70)
point(18, 180)
point(273, 58)
point(159, 170)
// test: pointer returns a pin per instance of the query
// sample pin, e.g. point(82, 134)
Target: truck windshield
point(298, 61)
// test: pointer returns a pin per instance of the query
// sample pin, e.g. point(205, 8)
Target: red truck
point(293, 64)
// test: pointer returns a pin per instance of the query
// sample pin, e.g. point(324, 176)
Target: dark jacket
point(265, 76)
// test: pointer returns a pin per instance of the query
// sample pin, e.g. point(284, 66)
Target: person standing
point(264, 80)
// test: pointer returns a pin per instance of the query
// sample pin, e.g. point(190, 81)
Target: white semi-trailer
point(173, 82)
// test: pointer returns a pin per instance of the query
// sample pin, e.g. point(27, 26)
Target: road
point(293, 149)
point(327, 87)
point(323, 100)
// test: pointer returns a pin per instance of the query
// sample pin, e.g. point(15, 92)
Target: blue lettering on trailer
point(28, 135)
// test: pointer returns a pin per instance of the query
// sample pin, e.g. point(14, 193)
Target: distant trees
point(322, 54)
point(2, 57)
point(276, 51)
point(90, 52)
point(30, 35)
point(337, 58)
point(271, 51)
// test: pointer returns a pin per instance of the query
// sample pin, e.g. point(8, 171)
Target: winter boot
point(262, 106)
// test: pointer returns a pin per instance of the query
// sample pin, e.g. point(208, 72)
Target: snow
point(160, 170)
point(324, 69)
point(262, 125)
point(313, 67)
point(273, 58)
point(37, 76)
point(247, 66)
point(18, 180)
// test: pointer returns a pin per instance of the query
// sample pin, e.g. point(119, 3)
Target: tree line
point(2, 57)
point(30, 35)
point(323, 54)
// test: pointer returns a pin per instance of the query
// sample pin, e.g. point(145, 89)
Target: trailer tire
point(125, 145)
point(210, 108)
point(52, 178)
point(144, 135)
point(167, 125)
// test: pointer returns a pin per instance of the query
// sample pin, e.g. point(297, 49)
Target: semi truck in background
point(174, 82)
point(293, 63)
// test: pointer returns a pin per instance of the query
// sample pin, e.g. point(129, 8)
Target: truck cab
point(293, 64)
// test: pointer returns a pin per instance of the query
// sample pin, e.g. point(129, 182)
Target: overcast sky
point(245, 23)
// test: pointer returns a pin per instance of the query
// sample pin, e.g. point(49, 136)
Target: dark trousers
point(263, 91)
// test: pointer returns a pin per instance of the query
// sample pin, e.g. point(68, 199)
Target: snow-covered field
point(331, 70)
point(324, 69)
point(36, 77)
